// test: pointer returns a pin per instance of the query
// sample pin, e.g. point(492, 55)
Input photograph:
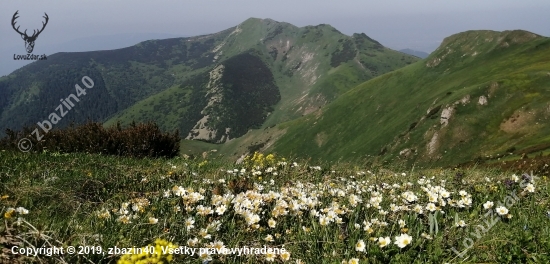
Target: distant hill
point(420, 54)
point(212, 88)
point(480, 94)
point(94, 43)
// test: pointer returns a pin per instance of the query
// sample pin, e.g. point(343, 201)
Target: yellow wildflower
point(9, 213)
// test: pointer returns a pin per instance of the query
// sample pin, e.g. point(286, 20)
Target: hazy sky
point(415, 24)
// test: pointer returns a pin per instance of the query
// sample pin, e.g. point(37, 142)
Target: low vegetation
point(136, 140)
point(319, 213)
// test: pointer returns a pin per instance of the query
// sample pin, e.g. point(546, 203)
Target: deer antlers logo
point(29, 40)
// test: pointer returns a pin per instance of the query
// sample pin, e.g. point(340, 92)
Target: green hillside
point(121, 78)
point(305, 80)
point(480, 94)
point(212, 88)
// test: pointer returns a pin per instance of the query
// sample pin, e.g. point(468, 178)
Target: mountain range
point(212, 88)
point(420, 54)
point(310, 92)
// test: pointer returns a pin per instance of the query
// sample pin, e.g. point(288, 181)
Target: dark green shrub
point(137, 140)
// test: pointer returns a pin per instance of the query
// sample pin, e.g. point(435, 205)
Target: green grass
point(68, 197)
point(195, 147)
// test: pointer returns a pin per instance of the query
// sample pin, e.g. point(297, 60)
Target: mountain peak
point(269, 23)
point(260, 27)
point(472, 43)
point(260, 21)
point(481, 37)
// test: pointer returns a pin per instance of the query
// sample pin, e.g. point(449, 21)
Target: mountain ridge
point(172, 81)
point(467, 100)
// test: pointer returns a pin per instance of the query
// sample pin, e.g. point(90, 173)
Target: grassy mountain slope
point(240, 90)
point(480, 93)
point(311, 66)
point(213, 87)
point(121, 78)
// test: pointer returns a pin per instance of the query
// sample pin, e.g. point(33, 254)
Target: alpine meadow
point(268, 142)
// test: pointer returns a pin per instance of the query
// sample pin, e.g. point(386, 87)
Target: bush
point(137, 140)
